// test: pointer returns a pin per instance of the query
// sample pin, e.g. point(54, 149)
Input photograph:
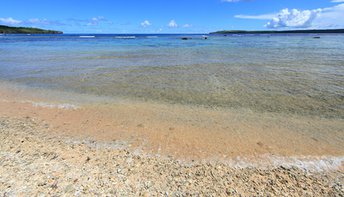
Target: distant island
point(315, 31)
point(25, 30)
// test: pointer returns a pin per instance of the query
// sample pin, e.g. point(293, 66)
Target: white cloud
point(293, 18)
point(172, 24)
point(37, 21)
point(337, 1)
point(258, 17)
point(33, 22)
point(96, 20)
point(10, 21)
point(146, 23)
point(331, 17)
point(187, 25)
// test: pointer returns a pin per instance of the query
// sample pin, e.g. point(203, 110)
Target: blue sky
point(178, 16)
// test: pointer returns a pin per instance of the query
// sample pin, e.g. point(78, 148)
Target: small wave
point(125, 37)
point(151, 36)
point(308, 163)
point(87, 36)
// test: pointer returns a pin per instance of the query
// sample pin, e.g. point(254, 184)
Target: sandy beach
point(171, 114)
point(130, 148)
point(176, 130)
point(34, 161)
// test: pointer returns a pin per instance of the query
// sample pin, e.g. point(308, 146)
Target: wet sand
point(55, 146)
point(36, 161)
point(184, 132)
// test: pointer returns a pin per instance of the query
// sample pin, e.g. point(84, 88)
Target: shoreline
point(58, 147)
point(184, 132)
point(36, 161)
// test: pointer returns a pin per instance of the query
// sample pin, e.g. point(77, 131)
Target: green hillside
point(25, 30)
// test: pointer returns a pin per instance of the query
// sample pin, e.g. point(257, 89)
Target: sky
point(177, 16)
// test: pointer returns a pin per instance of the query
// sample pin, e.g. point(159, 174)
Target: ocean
point(221, 97)
point(294, 74)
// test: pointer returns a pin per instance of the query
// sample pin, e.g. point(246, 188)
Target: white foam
point(125, 37)
point(66, 106)
point(308, 163)
point(86, 36)
point(58, 106)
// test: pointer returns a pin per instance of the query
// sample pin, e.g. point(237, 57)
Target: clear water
point(284, 73)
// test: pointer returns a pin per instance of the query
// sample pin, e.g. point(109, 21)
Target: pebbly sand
point(34, 161)
point(132, 148)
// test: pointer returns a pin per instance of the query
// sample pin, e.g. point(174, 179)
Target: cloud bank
point(30, 22)
point(293, 18)
point(331, 17)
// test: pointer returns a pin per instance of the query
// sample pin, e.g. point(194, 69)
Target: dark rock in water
point(185, 38)
point(316, 37)
point(204, 37)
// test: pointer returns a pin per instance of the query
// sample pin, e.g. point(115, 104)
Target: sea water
point(289, 74)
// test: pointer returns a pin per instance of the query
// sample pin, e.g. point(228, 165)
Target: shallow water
point(222, 98)
point(292, 74)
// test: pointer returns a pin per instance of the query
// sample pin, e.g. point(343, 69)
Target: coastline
point(91, 147)
point(35, 161)
point(184, 132)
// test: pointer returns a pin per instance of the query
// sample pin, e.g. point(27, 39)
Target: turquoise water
point(294, 74)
